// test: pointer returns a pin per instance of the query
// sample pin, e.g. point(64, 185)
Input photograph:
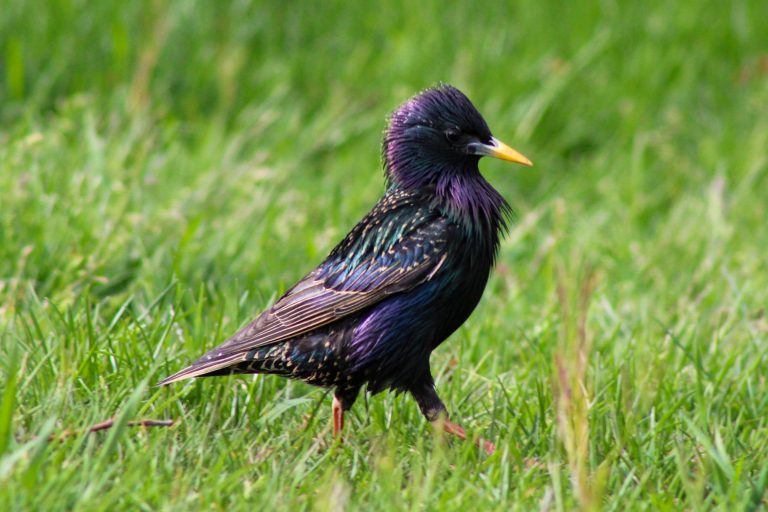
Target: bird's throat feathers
point(470, 201)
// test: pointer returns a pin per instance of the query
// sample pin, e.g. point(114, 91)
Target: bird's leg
point(342, 402)
point(434, 410)
point(338, 418)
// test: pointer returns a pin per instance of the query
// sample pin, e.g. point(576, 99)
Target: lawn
point(167, 169)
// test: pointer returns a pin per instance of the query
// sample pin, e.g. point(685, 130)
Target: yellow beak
point(498, 149)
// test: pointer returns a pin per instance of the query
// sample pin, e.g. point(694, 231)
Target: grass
point(168, 168)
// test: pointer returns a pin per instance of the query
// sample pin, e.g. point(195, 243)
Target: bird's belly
point(390, 347)
point(387, 345)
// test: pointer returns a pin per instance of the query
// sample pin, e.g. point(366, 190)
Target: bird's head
point(436, 134)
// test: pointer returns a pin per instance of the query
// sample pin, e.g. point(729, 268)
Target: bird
point(403, 279)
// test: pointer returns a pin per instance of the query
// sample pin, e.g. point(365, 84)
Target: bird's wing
point(400, 244)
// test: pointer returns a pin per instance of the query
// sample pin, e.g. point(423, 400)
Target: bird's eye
point(452, 135)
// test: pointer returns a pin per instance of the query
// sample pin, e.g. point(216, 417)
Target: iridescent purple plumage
point(405, 278)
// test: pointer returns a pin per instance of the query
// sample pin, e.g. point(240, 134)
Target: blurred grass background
point(168, 168)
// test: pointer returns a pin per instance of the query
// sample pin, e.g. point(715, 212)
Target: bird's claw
point(488, 446)
point(458, 431)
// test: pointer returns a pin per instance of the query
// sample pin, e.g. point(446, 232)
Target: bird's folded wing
point(392, 257)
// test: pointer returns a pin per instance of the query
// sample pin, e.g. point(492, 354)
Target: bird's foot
point(458, 431)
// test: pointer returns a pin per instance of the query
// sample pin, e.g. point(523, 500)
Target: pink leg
point(338, 419)
point(458, 431)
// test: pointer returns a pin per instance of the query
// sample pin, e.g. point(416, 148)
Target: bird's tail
point(202, 368)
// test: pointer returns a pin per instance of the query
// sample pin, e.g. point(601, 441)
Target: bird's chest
point(460, 292)
point(391, 345)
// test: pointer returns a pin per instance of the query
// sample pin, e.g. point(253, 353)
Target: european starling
point(405, 278)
